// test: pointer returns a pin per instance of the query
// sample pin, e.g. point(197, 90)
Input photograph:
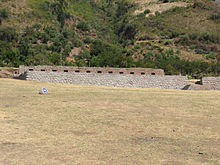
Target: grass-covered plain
point(102, 125)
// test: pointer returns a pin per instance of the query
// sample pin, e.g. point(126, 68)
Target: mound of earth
point(7, 72)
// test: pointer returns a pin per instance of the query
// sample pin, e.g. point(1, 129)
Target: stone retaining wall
point(214, 82)
point(117, 80)
point(68, 69)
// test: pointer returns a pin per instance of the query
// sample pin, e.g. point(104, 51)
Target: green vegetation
point(215, 16)
point(3, 14)
point(108, 33)
point(83, 26)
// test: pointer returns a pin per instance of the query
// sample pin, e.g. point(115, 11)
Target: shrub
point(200, 51)
point(141, 15)
point(84, 26)
point(215, 16)
point(136, 47)
point(210, 56)
point(200, 5)
point(88, 40)
point(4, 13)
point(127, 31)
point(45, 5)
point(7, 34)
point(146, 11)
point(169, 52)
point(157, 13)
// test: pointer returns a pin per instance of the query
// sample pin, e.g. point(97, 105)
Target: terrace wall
point(214, 82)
point(117, 80)
point(68, 69)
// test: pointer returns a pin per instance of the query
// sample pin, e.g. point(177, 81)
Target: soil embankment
point(7, 72)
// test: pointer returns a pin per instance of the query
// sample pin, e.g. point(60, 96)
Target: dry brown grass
point(102, 125)
point(6, 72)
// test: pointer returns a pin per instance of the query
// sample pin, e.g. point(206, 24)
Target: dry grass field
point(85, 125)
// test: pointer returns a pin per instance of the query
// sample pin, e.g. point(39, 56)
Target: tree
point(109, 2)
point(59, 9)
point(7, 34)
point(3, 14)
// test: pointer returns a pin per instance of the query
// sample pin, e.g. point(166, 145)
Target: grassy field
point(107, 126)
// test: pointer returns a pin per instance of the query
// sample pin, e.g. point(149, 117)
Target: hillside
point(178, 36)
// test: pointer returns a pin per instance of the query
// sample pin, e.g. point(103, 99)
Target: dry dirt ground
point(156, 5)
point(85, 125)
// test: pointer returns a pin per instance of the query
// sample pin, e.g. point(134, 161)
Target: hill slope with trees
point(181, 37)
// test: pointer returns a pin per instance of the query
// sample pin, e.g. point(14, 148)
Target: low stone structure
point(116, 80)
point(69, 69)
point(214, 82)
point(118, 77)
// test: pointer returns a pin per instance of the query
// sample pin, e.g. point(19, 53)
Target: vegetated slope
point(180, 37)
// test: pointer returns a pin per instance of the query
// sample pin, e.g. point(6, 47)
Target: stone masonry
point(214, 82)
point(118, 77)
point(69, 69)
point(115, 80)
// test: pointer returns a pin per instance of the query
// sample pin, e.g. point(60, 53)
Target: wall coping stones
point(99, 70)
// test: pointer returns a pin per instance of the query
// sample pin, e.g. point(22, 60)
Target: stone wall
point(68, 69)
point(214, 82)
point(117, 80)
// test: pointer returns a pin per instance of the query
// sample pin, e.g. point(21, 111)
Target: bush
point(141, 15)
point(84, 26)
point(146, 11)
point(157, 13)
point(4, 13)
point(210, 56)
point(88, 40)
point(169, 52)
point(45, 5)
point(136, 47)
point(200, 5)
point(201, 51)
point(7, 34)
point(127, 31)
point(215, 16)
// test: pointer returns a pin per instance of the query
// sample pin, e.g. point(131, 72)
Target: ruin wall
point(115, 80)
point(214, 82)
point(69, 69)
